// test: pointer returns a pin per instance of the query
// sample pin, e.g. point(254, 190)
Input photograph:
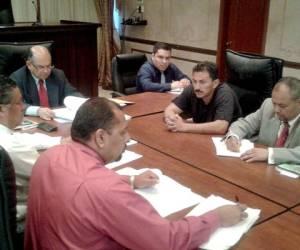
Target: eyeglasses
point(41, 67)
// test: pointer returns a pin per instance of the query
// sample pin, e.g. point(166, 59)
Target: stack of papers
point(72, 104)
point(222, 150)
point(168, 196)
point(225, 237)
point(127, 156)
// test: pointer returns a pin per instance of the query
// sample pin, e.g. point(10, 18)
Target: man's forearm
point(215, 127)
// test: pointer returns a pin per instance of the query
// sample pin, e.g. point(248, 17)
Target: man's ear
point(100, 135)
point(28, 64)
point(3, 108)
point(216, 83)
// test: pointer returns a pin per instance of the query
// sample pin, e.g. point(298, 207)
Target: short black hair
point(293, 84)
point(95, 113)
point(207, 66)
point(7, 86)
point(160, 45)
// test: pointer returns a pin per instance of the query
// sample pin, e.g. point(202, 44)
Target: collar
point(88, 150)
point(6, 130)
point(293, 121)
point(36, 80)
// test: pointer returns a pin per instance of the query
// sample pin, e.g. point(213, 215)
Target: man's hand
point(233, 144)
point(145, 179)
point(45, 113)
point(176, 124)
point(255, 154)
point(180, 84)
point(175, 85)
point(184, 82)
point(231, 214)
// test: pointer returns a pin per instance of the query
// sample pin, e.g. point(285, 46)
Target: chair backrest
point(6, 14)
point(124, 72)
point(252, 77)
point(13, 54)
point(7, 202)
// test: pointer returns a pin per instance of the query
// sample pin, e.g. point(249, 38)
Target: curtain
point(107, 45)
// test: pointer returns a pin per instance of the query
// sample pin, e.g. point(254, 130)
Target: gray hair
point(293, 84)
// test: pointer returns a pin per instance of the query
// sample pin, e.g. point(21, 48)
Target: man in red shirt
point(75, 202)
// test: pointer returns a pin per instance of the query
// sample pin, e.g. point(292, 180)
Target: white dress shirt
point(22, 149)
point(33, 110)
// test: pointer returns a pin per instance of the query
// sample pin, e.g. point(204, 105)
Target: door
point(242, 27)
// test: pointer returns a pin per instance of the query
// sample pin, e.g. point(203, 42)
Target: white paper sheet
point(68, 113)
point(168, 196)
point(222, 150)
point(131, 142)
point(127, 156)
point(120, 102)
point(224, 238)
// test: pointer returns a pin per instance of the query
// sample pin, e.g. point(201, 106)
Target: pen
point(224, 138)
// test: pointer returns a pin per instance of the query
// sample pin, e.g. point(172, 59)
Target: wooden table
point(147, 103)
point(280, 233)
point(198, 151)
point(296, 210)
point(200, 182)
point(190, 159)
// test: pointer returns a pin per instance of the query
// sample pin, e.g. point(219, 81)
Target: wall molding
point(174, 46)
point(288, 64)
point(173, 57)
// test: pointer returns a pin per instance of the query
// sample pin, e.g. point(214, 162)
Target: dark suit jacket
point(58, 87)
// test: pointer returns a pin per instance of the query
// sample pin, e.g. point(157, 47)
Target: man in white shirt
point(276, 125)
point(21, 147)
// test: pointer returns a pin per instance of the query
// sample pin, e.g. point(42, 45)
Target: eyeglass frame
point(41, 67)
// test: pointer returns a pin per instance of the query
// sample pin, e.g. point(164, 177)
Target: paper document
point(168, 196)
point(120, 102)
point(127, 156)
point(68, 113)
point(72, 104)
point(64, 113)
point(131, 142)
point(225, 237)
point(222, 150)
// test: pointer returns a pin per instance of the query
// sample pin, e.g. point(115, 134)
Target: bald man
point(42, 86)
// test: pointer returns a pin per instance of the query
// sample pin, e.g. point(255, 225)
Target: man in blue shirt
point(159, 74)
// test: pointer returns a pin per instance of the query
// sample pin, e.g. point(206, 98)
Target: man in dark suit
point(42, 86)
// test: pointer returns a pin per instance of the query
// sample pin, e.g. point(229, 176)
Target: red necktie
point(283, 135)
point(43, 94)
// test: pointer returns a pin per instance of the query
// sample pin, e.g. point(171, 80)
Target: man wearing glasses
point(159, 74)
point(42, 86)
